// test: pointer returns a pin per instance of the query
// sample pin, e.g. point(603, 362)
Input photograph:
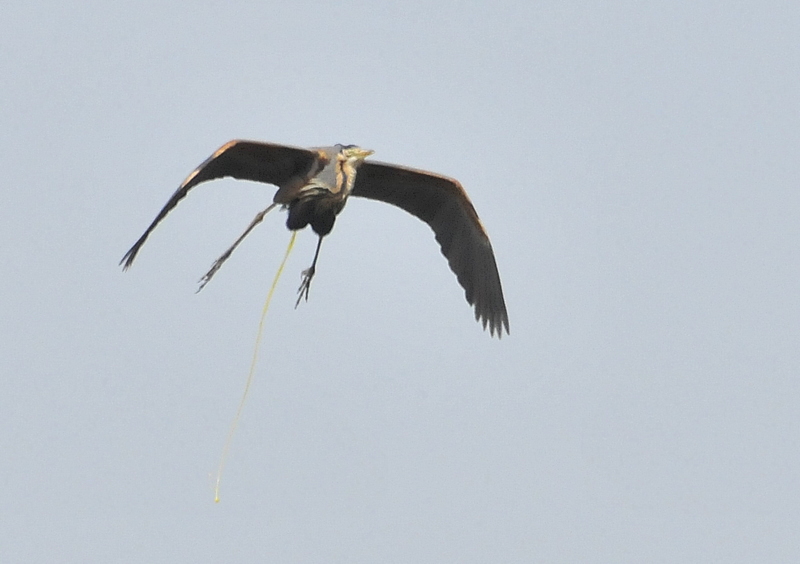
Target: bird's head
point(354, 154)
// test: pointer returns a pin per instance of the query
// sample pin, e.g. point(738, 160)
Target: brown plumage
point(314, 184)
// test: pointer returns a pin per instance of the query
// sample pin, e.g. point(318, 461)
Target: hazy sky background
point(637, 166)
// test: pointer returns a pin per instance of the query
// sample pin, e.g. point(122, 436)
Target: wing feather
point(244, 160)
point(442, 203)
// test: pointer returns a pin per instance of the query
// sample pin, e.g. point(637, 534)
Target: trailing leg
point(307, 275)
point(218, 263)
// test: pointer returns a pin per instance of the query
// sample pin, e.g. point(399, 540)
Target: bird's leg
point(218, 263)
point(307, 275)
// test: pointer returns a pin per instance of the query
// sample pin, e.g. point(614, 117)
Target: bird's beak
point(364, 153)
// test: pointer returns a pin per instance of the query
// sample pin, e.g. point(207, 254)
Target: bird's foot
point(210, 274)
point(305, 285)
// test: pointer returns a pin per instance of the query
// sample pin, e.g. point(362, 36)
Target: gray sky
point(636, 165)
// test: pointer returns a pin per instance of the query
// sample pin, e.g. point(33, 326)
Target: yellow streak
point(235, 422)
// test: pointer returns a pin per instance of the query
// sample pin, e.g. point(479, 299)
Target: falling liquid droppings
point(238, 415)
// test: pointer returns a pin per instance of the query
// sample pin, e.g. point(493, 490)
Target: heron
point(314, 185)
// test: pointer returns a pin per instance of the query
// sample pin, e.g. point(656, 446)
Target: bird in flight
point(314, 184)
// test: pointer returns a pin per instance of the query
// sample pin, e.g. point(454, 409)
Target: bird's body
point(314, 184)
point(323, 195)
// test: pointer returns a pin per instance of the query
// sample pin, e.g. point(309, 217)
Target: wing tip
point(496, 327)
point(496, 321)
point(130, 256)
point(127, 260)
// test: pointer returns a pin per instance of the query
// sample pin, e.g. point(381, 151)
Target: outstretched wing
point(245, 160)
point(443, 204)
